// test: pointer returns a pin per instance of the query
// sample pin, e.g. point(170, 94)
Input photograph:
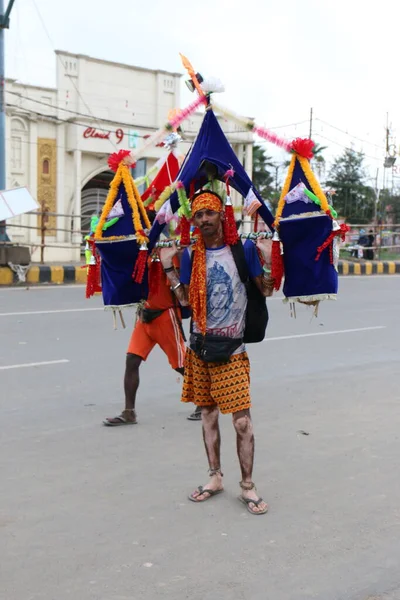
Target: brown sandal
point(127, 417)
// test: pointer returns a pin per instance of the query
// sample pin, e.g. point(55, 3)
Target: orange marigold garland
point(198, 281)
point(315, 186)
point(138, 214)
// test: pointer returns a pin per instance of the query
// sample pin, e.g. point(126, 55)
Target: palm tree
point(318, 161)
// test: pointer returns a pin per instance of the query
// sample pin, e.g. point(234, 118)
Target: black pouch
point(147, 315)
point(214, 348)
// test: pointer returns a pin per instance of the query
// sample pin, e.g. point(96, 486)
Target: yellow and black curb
point(387, 267)
point(55, 274)
point(38, 274)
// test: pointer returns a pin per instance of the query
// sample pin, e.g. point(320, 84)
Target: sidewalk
point(58, 274)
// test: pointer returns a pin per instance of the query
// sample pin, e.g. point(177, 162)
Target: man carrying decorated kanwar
point(217, 369)
point(158, 322)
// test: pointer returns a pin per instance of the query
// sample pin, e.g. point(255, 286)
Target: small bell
point(92, 261)
point(275, 237)
point(228, 201)
point(335, 226)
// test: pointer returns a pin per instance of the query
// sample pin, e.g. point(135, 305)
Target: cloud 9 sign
point(133, 136)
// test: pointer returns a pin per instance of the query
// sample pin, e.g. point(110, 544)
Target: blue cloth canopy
point(211, 149)
point(304, 276)
point(212, 146)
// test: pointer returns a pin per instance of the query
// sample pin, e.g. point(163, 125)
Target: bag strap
point(191, 268)
point(240, 261)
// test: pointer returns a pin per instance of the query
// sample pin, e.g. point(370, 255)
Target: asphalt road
point(91, 513)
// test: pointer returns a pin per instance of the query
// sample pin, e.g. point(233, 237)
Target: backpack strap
point(240, 261)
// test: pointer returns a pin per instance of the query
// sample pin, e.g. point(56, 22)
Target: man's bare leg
point(212, 443)
point(131, 380)
point(131, 385)
point(245, 450)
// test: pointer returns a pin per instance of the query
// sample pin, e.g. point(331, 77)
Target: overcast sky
point(277, 58)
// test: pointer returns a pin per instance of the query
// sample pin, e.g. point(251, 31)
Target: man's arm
point(264, 282)
point(180, 290)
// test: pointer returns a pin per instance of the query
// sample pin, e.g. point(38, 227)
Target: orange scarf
point(198, 280)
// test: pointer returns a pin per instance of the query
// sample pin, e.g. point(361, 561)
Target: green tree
point(389, 206)
point(262, 178)
point(354, 200)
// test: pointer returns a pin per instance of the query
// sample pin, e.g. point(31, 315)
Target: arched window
point(46, 167)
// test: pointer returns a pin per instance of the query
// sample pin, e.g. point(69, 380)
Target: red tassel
point(155, 275)
point(93, 282)
point(230, 232)
point(140, 266)
point(277, 266)
point(328, 242)
point(185, 231)
point(256, 223)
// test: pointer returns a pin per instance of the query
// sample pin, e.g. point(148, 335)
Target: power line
point(73, 112)
point(344, 146)
point(349, 134)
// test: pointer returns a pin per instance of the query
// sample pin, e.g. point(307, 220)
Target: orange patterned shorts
point(226, 385)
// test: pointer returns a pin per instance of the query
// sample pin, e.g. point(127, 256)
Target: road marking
point(35, 364)
point(71, 310)
point(305, 335)
point(49, 312)
point(41, 287)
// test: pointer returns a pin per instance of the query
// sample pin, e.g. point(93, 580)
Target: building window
point(46, 167)
point(16, 152)
point(169, 86)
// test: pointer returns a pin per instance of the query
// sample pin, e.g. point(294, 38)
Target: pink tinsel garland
point(272, 137)
point(186, 112)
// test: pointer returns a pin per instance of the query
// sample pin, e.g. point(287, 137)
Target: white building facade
point(58, 141)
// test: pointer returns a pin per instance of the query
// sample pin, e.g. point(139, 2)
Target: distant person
point(3, 233)
point(369, 253)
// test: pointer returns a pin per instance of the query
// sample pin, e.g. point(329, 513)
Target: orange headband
point(207, 201)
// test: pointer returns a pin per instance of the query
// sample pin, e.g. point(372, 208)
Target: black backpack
point(257, 311)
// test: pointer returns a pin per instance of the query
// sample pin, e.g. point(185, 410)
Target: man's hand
point(167, 255)
point(265, 246)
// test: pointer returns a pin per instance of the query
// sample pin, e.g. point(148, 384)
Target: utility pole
point(4, 24)
point(311, 116)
